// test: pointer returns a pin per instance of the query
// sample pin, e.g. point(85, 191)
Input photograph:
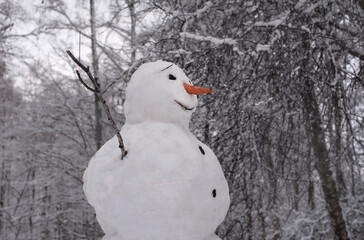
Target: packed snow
point(170, 185)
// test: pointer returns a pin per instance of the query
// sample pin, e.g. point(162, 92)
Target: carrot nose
point(196, 90)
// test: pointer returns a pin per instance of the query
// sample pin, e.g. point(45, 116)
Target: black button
point(201, 150)
point(214, 193)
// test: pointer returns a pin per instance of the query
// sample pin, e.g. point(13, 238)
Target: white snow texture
point(170, 186)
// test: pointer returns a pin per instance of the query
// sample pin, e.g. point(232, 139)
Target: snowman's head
point(160, 91)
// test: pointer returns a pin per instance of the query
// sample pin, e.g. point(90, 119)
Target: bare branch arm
point(83, 83)
point(97, 91)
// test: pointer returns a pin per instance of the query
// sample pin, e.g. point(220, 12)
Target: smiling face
point(158, 92)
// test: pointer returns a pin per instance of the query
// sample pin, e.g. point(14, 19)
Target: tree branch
point(3, 29)
point(356, 52)
point(97, 91)
point(83, 83)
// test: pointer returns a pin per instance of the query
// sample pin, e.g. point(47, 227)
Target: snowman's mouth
point(183, 106)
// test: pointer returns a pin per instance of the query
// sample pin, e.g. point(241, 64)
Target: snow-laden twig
point(275, 22)
point(98, 93)
point(299, 4)
point(213, 40)
point(352, 50)
point(312, 7)
point(180, 51)
point(262, 47)
point(198, 12)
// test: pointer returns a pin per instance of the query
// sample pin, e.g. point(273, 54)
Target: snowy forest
point(286, 118)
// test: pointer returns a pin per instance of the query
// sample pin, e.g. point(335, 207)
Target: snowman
point(170, 186)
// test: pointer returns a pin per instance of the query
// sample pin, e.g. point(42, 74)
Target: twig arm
point(83, 83)
point(97, 91)
point(113, 123)
point(76, 61)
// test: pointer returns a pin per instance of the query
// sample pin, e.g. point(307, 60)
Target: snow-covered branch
point(213, 40)
point(198, 12)
point(278, 20)
point(352, 50)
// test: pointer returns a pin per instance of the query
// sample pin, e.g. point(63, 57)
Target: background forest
point(286, 117)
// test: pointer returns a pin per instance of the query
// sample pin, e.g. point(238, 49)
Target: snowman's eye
point(171, 77)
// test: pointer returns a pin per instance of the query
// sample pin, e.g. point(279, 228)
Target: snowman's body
point(170, 186)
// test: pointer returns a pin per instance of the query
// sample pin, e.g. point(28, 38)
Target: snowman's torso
point(170, 186)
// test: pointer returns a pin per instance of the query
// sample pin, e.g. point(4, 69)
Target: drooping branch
point(97, 91)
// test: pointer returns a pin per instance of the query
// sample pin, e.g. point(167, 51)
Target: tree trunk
point(260, 213)
point(2, 192)
point(133, 19)
point(337, 145)
point(267, 155)
point(32, 202)
point(311, 185)
point(248, 204)
point(45, 231)
point(296, 161)
point(95, 67)
point(322, 163)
